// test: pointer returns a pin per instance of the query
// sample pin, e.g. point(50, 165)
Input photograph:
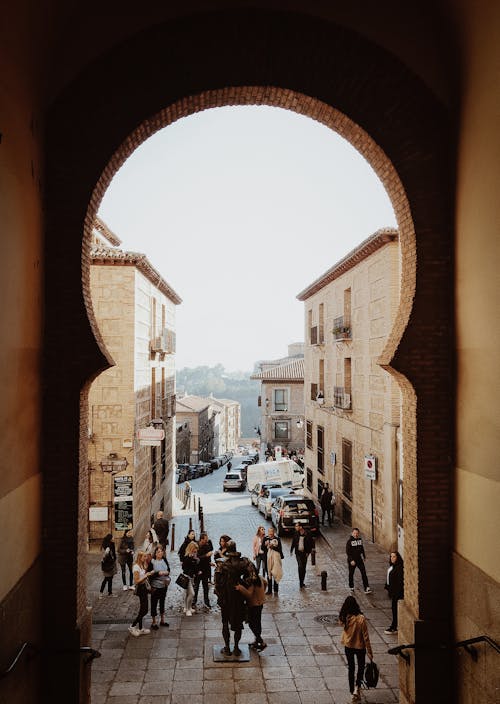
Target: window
point(281, 430)
point(347, 375)
point(309, 324)
point(280, 400)
point(309, 435)
point(347, 468)
point(320, 450)
point(321, 326)
point(322, 375)
point(309, 476)
point(314, 392)
point(153, 317)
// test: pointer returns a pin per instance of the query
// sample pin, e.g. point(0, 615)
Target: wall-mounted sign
point(98, 513)
point(150, 437)
point(122, 488)
point(370, 467)
point(123, 515)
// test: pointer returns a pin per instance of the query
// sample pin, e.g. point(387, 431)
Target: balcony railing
point(342, 328)
point(341, 399)
point(165, 342)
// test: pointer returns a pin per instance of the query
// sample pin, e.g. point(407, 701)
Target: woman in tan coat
point(356, 641)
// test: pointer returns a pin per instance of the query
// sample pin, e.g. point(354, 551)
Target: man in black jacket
point(161, 528)
point(205, 552)
point(355, 558)
point(326, 502)
point(302, 545)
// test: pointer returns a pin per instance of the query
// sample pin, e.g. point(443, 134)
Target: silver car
point(234, 481)
point(268, 497)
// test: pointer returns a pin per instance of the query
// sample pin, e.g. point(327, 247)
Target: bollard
point(202, 521)
point(323, 581)
point(172, 538)
point(190, 523)
point(313, 556)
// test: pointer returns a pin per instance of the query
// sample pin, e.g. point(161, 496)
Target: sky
point(239, 209)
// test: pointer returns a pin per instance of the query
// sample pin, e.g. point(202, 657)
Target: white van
point(286, 472)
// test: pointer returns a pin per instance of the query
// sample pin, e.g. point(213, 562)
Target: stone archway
point(357, 89)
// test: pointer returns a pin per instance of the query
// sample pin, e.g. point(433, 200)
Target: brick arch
point(334, 76)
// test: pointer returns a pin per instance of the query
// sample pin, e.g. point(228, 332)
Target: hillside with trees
point(237, 386)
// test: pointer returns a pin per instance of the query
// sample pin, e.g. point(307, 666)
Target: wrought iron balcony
point(341, 399)
point(342, 328)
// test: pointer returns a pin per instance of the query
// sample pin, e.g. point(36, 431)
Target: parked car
point(182, 472)
point(215, 463)
point(222, 459)
point(268, 497)
point(259, 488)
point(234, 480)
point(202, 468)
point(286, 511)
point(241, 468)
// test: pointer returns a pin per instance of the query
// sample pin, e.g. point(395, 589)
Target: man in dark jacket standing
point(161, 528)
point(356, 558)
point(302, 545)
point(205, 552)
point(326, 502)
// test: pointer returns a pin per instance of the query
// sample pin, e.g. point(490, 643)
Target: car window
point(232, 476)
point(300, 505)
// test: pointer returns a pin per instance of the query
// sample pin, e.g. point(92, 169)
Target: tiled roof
point(107, 255)
point(293, 371)
point(192, 403)
point(370, 245)
point(104, 230)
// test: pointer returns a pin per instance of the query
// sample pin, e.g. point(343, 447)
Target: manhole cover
point(329, 619)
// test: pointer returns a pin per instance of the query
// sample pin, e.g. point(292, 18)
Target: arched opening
point(399, 129)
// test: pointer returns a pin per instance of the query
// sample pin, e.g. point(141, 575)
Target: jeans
point(130, 575)
point(158, 597)
point(143, 606)
point(301, 565)
point(254, 622)
point(260, 559)
point(109, 582)
point(201, 579)
point(361, 566)
point(360, 655)
point(189, 595)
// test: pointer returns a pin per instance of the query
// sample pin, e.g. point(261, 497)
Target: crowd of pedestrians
point(240, 584)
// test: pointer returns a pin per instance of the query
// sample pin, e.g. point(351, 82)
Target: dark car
point(203, 468)
point(241, 468)
point(182, 473)
point(289, 510)
point(215, 463)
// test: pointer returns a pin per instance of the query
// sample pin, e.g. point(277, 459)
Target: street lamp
point(112, 463)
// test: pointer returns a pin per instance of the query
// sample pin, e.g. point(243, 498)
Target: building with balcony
point(352, 405)
point(130, 478)
point(282, 400)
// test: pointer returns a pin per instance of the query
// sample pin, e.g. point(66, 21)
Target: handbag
point(371, 675)
point(182, 580)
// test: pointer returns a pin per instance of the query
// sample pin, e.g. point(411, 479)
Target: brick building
point(135, 312)
point(353, 406)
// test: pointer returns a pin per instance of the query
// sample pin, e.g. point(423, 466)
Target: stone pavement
point(303, 663)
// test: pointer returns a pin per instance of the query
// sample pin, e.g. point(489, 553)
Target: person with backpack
point(356, 642)
point(108, 565)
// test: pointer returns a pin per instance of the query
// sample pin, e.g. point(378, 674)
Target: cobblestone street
point(304, 661)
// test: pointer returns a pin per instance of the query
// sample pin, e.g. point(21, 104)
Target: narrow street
point(304, 661)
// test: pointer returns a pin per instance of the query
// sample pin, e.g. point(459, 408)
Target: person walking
point(108, 565)
point(356, 558)
point(326, 502)
point(205, 552)
point(258, 554)
point(356, 642)
point(302, 545)
point(191, 568)
point(395, 588)
point(126, 559)
point(187, 494)
point(275, 555)
point(161, 527)
point(159, 584)
point(188, 539)
point(255, 595)
point(141, 571)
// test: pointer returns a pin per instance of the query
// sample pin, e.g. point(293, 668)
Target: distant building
point(282, 399)
point(352, 405)
point(227, 434)
point(194, 410)
point(135, 311)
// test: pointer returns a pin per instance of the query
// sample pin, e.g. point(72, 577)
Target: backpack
point(371, 675)
point(107, 562)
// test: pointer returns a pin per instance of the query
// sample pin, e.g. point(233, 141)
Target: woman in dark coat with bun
point(395, 587)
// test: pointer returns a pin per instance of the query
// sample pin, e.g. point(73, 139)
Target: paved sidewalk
point(303, 663)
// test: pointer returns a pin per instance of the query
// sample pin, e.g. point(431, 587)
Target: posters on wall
point(123, 502)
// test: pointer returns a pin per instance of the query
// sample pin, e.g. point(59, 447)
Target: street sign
point(150, 437)
point(370, 467)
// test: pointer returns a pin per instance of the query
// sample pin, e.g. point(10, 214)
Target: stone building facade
point(282, 400)
point(227, 424)
point(353, 406)
point(194, 410)
point(183, 443)
point(135, 311)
